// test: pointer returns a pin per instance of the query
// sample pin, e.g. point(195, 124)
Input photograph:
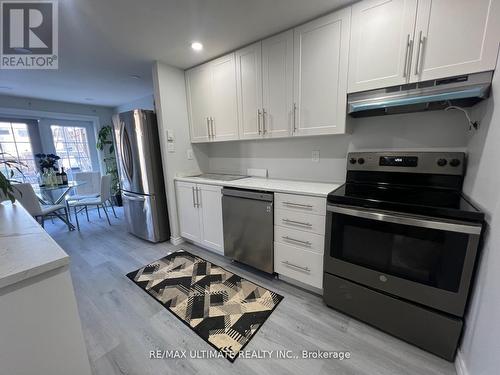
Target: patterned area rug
point(224, 309)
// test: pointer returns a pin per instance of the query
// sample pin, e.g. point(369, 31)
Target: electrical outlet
point(189, 154)
point(315, 156)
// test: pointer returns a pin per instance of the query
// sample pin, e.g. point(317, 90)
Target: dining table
point(55, 194)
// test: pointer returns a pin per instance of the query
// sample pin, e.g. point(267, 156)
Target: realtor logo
point(29, 35)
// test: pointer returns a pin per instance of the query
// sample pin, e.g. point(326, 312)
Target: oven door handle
point(406, 220)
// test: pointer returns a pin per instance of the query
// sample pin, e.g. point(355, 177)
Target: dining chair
point(26, 196)
point(99, 201)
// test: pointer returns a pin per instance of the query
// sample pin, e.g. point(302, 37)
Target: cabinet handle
point(306, 243)
point(298, 205)
point(264, 131)
point(410, 55)
point(258, 120)
point(297, 222)
point(197, 197)
point(406, 55)
point(294, 118)
point(194, 199)
point(212, 126)
point(296, 266)
point(420, 52)
point(208, 127)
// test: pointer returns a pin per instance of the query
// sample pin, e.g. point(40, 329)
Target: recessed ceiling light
point(197, 46)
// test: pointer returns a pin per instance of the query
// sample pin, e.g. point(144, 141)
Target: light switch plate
point(189, 154)
point(315, 156)
point(171, 146)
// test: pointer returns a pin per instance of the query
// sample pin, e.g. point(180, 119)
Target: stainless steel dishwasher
point(249, 227)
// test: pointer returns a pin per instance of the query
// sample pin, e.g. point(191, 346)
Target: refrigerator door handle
point(133, 198)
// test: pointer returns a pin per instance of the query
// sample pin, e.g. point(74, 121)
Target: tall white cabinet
point(265, 80)
point(212, 100)
point(320, 79)
point(395, 42)
point(199, 209)
point(249, 85)
point(380, 42)
point(277, 84)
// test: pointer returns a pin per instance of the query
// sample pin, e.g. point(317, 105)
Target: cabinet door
point(198, 82)
point(277, 84)
point(380, 43)
point(210, 199)
point(321, 50)
point(249, 84)
point(454, 37)
point(224, 103)
point(187, 210)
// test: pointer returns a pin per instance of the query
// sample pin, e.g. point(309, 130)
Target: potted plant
point(5, 183)
point(104, 138)
point(47, 161)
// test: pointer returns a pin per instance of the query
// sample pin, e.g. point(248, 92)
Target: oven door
point(417, 258)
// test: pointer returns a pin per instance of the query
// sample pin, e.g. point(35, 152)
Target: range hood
point(463, 91)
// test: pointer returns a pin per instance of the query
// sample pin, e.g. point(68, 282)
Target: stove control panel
point(398, 161)
point(448, 163)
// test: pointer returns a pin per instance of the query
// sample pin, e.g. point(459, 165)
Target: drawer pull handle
point(288, 221)
point(298, 205)
point(287, 263)
point(306, 243)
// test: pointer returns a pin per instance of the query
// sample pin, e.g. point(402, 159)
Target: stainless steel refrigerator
point(141, 175)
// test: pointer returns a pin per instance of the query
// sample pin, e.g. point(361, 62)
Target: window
point(15, 144)
point(72, 146)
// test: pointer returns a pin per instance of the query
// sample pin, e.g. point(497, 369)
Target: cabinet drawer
point(300, 203)
point(301, 265)
point(300, 221)
point(304, 240)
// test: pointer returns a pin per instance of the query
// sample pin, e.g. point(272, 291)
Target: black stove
point(433, 191)
point(402, 239)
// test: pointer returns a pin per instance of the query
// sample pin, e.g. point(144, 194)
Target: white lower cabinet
point(200, 214)
point(301, 265)
point(299, 238)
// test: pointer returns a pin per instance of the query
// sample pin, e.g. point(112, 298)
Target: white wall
point(14, 102)
point(171, 107)
point(480, 347)
point(291, 158)
point(146, 102)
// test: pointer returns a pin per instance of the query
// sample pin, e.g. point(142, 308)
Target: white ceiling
point(102, 43)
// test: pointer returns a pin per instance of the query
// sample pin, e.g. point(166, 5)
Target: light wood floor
point(121, 323)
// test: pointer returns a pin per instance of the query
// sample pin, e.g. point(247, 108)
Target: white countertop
point(26, 250)
point(319, 189)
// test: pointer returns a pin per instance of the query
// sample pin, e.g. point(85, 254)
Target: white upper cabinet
point(212, 102)
point(394, 42)
point(224, 122)
point(249, 84)
point(381, 35)
point(454, 37)
point(321, 49)
point(277, 84)
point(199, 93)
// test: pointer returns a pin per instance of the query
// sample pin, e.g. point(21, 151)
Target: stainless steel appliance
point(464, 91)
point(141, 175)
point(401, 244)
point(248, 227)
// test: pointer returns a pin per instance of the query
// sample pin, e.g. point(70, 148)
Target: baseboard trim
point(301, 285)
point(460, 364)
point(176, 240)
